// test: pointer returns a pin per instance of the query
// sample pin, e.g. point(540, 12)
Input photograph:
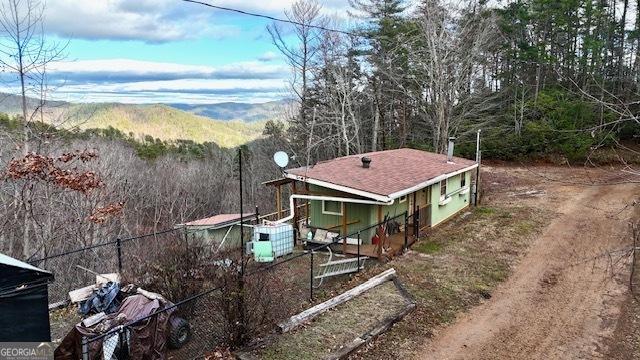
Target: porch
point(387, 248)
point(380, 241)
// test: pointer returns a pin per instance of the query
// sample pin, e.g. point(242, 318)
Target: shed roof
point(391, 172)
point(17, 273)
point(9, 261)
point(220, 220)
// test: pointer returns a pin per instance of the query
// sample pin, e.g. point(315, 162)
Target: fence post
point(85, 348)
point(406, 231)
point(295, 237)
point(358, 251)
point(415, 223)
point(119, 248)
point(311, 278)
point(120, 336)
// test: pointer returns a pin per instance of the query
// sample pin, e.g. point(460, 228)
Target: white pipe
point(336, 187)
point(328, 198)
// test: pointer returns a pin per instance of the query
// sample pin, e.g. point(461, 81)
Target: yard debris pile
point(120, 322)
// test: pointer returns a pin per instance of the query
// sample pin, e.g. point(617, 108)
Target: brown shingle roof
point(219, 220)
point(391, 171)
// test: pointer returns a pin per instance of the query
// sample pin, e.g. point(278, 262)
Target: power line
point(319, 27)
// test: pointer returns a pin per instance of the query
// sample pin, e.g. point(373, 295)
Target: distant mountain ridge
point(12, 104)
point(141, 120)
point(161, 122)
point(237, 111)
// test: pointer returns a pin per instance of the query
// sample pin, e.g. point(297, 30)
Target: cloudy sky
point(170, 51)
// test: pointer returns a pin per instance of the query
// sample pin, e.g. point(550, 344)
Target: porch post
point(344, 228)
point(358, 251)
point(279, 201)
point(295, 204)
point(406, 230)
point(294, 212)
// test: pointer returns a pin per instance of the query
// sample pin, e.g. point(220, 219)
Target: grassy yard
point(456, 266)
point(337, 327)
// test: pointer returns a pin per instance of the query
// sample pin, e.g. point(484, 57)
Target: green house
point(220, 231)
point(348, 195)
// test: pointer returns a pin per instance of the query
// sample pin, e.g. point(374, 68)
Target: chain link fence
point(227, 296)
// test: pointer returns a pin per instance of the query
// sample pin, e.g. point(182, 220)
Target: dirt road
point(563, 299)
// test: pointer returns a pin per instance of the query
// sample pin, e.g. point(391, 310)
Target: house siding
point(368, 214)
point(361, 212)
point(210, 236)
point(440, 213)
point(318, 219)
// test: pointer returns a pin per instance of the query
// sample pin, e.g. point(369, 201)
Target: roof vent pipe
point(450, 149)
point(366, 162)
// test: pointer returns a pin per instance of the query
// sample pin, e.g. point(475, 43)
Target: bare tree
point(25, 53)
point(445, 55)
point(300, 53)
point(338, 91)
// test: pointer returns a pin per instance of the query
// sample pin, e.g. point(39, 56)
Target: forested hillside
point(538, 77)
point(160, 122)
point(237, 111)
point(155, 121)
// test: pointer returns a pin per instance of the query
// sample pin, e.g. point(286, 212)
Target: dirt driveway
point(563, 299)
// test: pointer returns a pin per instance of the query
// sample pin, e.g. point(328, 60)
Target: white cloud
point(132, 81)
point(157, 20)
point(183, 85)
point(276, 7)
point(126, 70)
point(268, 56)
point(146, 20)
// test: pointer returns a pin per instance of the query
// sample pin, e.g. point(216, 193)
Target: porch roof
point(392, 173)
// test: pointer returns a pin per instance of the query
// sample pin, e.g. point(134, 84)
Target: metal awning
point(278, 182)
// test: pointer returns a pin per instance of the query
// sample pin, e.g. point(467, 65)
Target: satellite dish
point(281, 158)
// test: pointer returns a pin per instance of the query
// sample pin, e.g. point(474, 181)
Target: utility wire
point(319, 27)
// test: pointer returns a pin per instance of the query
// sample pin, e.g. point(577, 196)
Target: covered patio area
point(388, 247)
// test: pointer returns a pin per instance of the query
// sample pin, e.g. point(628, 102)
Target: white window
point(332, 207)
point(463, 180)
point(402, 199)
point(443, 189)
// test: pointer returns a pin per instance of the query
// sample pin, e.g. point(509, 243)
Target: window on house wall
point(443, 189)
point(463, 180)
point(331, 207)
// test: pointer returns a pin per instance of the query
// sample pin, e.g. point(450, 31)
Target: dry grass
point(62, 321)
point(329, 332)
point(454, 268)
